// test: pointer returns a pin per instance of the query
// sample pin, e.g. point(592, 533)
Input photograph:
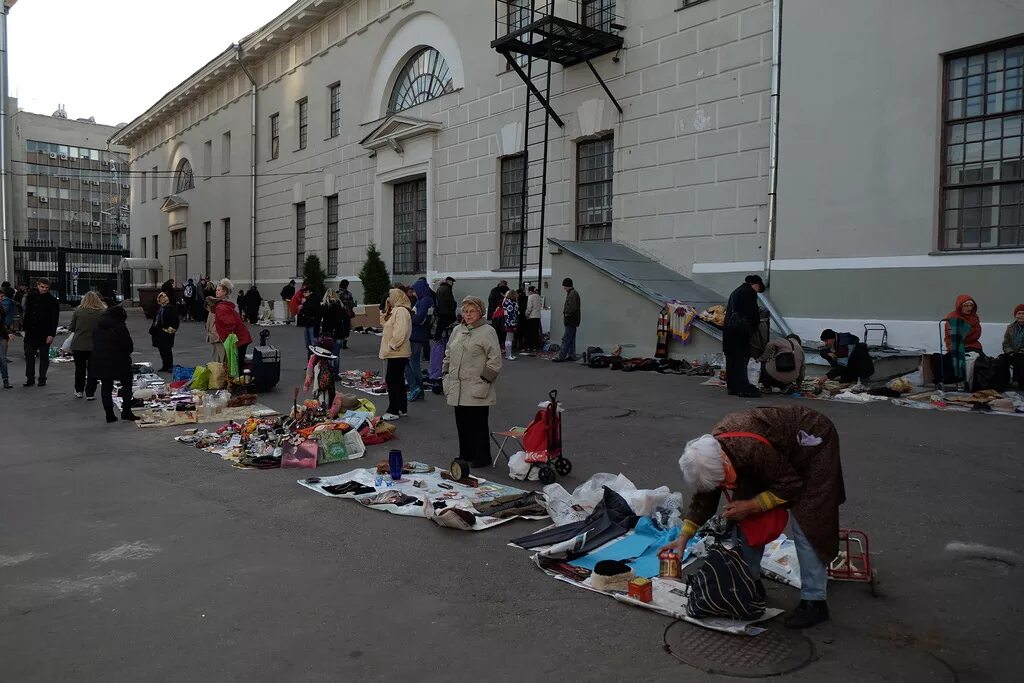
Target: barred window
point(227, 247)
point(983, 175)
point(332, 235)
point(178, 240)
point(275, 136)
point(335, 109)
point(424, 77)
point(512, 168)
point(207, 229)
point(303, 123)
point(183, 179)
point(410, 238)
point(594, 189)
point(599, 14)
point(300, 237)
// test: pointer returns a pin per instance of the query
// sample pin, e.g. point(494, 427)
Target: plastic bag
point(302, 456)
point(218, 376)
point(201, 378)
point(668, 513)
point(753, 372)
point(520, 470)
point(66, 346)
point(182, 373)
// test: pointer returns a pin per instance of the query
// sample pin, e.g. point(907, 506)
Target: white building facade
point(395, 122)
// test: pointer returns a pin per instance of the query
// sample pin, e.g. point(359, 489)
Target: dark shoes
point(42, 382)
point(130, 416)
point(29, 383)
point(807, 614)
point(751, 393)
point(111, 417)
point(8, 385)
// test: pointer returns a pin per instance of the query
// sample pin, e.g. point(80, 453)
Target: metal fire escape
point(533, 37)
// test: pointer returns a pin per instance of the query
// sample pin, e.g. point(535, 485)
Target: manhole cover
point(769, 654)
point(605, 412)
point(592, 387)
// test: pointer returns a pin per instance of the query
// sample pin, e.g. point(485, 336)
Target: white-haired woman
point(768, 458)
point(228, 320)
point(83, 322)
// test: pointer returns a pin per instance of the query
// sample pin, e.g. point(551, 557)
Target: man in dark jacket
point(422, 312)
point(287, 292)
point(253, 301)
point(445, 306)
point(495, 297)
point(189, 295)
point(848, 356)
point(572, 315)
point(112, 360)
point(39, 325)
point(348, 303)
point(741, 319)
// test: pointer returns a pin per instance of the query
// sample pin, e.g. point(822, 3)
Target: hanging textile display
point(661, 350)
point(681, 318)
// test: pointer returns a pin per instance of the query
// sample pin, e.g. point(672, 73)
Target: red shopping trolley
point(541, 441)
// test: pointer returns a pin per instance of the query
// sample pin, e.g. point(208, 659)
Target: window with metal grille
point(511, 209)
point(599, 14)
point(207, 231)
point(410, 239)
point(983, 175)
point(142, 248)
point(303, 122)
point(594, 189)
point(424, 77)
point(227, 246)
point(178, 240)
point(275, 136)
point(183, 179)
point(335, 109)
point(689, 3)
point(518, 13)
point(332, 235)
point(300, 237)
point(156, 246)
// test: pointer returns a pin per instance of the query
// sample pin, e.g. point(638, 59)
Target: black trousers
point(443, 322)
point(83, 380)
point(1011, 362)
point(32, 349)
point(531, 334)
point(166, 357)
point(107, 390)
point(859, 367)
point(394, 377)
point(474, 434)
point(736, 372)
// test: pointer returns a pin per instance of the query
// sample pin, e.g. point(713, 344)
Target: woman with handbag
point(767, 461)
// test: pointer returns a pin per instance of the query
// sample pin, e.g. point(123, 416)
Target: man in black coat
point(112, 361)
point(741, 319)
point(445, 306)
point(39, 325)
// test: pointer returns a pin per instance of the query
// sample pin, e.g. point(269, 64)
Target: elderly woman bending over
point(768, 458)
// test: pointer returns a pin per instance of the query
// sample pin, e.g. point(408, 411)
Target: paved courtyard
point(127, 557)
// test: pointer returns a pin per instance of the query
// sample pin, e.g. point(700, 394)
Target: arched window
point(424, 77)
point(183, 179)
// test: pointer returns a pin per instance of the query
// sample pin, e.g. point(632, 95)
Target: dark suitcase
point(266, 364)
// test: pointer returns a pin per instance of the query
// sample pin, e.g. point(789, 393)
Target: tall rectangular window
point(410, 237)
point(275, 135)
point(207, 232)
point(156, 180)
point(142, 187)
point(156, 246)
point(335, 100)
point(300, 237)
point(226, 222)
point(599, 14)
point(332, 235)
point(303, 118)
point(225, 153)
point(594, 189)
point(178, 240)
point(983, 168)
point(208, 159)
point(143, 249)
point(511, 210)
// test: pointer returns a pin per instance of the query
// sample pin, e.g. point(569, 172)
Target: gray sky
point(112, 59)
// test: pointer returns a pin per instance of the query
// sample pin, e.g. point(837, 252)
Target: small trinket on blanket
point(641, 589)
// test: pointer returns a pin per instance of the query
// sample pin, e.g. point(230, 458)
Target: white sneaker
point(510, 357)
point(90, 398)
point(389, 417)
point(79, 394)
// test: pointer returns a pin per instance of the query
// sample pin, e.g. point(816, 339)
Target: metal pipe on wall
point(252, 169)
point(773, 144)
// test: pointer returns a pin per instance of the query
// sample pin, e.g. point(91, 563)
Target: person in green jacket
point(83, 322)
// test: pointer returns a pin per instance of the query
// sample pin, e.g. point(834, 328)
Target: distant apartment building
point(69, 202)
point(866, 156)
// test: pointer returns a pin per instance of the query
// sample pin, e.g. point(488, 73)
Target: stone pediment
point(173, 203)
point(395, 128)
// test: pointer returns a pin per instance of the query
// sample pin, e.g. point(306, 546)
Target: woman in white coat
point(472, 363)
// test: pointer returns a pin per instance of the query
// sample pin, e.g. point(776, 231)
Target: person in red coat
point(966, 310)
point(227, 319)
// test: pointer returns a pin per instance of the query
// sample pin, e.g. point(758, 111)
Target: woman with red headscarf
point(967, 311)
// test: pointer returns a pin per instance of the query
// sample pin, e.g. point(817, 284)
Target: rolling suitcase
point(266, 364)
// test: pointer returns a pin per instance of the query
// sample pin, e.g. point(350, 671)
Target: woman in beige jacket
point(396, 318)
point(472, 363)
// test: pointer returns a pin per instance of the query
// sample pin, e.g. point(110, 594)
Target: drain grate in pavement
point(769, 654)
point(592, 387)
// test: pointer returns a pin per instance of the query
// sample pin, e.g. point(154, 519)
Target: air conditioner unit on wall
point(95, 203)
point(43, 200)
point(95, 224)
point(63, 157)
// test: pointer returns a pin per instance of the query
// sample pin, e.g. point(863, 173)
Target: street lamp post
point(4, 227)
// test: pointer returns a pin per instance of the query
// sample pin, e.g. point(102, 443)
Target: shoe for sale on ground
point(389, 417)
point(79, 394)
point(29, 383)
point(807, 614)
point(130, 416)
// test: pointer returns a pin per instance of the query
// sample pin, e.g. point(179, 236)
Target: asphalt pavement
point(127, 557)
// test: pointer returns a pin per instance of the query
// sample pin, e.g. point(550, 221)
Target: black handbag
point(721, 585)
point(786, 360)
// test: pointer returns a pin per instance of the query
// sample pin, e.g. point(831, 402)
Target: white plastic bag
point(66, 346)
point(520, 470)
point(753, 372)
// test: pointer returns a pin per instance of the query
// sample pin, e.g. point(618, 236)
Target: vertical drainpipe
point(252, 169)
point(773, 145)
point(8, 268)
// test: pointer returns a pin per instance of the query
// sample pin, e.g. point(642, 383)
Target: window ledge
point(961, 252)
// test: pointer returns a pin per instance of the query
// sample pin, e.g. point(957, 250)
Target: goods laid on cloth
point(268, 443)
point(158, 406)
point(423, 491)
point(366, 381)
point(613, 548)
